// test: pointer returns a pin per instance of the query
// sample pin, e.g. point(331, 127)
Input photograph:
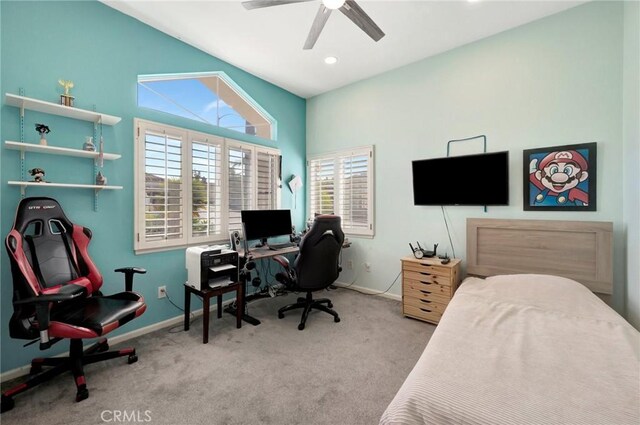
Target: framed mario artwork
point(560, 178)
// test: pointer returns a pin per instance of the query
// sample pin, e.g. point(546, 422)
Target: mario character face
point(561, 171)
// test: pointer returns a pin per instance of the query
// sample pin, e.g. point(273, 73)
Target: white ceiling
point(268, 42)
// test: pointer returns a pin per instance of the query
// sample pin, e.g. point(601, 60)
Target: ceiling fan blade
point(316, 27)
point(352, 11)
point(258, 4)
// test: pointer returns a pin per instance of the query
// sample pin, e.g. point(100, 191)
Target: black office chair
point(315, 268)
point(56, 295)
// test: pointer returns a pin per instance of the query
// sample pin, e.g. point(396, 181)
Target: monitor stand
point(262, 243)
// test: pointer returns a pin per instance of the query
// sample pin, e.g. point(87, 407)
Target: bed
point(523, 347)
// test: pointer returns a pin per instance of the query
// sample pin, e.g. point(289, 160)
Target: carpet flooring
point(330, 373)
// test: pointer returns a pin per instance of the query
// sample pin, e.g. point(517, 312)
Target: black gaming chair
point(315, 268)
point(56, 295)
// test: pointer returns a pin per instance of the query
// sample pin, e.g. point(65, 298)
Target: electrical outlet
point(367, 267)
point(162, 291)
point(349, 264)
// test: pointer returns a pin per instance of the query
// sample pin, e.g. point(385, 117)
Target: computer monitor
point(263, 224)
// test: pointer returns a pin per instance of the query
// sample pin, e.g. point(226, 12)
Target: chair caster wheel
point(336, 319)
point(7, 404)
point(35, 370)
point(301, 326)
point(103, 348)
point(82, 394)
point(132, 358)
point(330, 305)
point(280, 315)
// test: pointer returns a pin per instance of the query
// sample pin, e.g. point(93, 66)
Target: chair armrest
point(128, 276)
point(42, 311)
point(283, 261)
point(49, 298)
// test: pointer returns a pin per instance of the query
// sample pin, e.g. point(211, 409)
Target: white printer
point(211, 266)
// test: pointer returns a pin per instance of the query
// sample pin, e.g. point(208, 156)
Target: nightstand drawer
point(425, 304)
point(437, 293)
point(422, 313)
point(427, 277)
point(426, 269)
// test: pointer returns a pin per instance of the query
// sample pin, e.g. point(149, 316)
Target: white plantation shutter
point(240, 168)
point(341, 183)
point(163, 206)
point(322, 188)
point(206, 186)
point(354, 203)
point(268, 168)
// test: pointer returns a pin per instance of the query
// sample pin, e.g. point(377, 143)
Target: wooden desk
point(206, 295)
point(264, 252)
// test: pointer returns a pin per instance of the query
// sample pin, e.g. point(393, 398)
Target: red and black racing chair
point(56, 295)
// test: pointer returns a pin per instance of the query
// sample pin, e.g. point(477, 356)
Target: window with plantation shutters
point(322, 185)
point(206, 187)
point(163, 207)
point(240, 184)
point(341, 183)
point(191, 186)
point(353, 205)
point(268, 168)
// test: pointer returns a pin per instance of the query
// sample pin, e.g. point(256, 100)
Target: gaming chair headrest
point(40, 208)
point(323, 225)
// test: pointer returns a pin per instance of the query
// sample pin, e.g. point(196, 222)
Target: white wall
point(552, 82)
point(631, 154)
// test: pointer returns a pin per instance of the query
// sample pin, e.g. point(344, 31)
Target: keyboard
point(279, 246)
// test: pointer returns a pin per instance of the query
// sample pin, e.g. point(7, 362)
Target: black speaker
point(234, 238)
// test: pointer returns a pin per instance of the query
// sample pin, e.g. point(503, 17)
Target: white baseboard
point(369, 291)
point(24, 370)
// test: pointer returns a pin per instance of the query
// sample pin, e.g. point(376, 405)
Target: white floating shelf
point(54, 150)
point(56, 109)
point(68, 185)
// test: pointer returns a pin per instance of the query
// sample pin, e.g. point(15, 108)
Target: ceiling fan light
point(333, 4)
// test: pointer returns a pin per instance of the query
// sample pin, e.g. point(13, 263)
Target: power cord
point(376, 293)
point(179, 328)
point(448, 232)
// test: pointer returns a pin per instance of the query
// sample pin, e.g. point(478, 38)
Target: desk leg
point(187, 307)
point(205, 318)
point(219, 306)
point(239, 302)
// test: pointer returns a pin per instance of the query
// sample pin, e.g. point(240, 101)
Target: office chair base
point(308, 304)
point(74, 362)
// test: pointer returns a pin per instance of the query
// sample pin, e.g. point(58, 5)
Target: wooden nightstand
point(427, 287)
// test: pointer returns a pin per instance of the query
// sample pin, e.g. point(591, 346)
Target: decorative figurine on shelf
point(101, 180)
point(88, 144)
point(38, 175)
point(42, 129)
point(66, 99)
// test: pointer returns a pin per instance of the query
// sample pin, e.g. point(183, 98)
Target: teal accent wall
point(554, 81)
point(103, 51)
point(631, 155)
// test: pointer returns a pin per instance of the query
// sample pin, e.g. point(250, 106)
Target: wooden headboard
point(578, 250)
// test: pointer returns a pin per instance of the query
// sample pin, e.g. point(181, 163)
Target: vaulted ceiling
point(268, 42)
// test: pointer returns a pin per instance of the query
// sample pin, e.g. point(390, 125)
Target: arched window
point(211, 97)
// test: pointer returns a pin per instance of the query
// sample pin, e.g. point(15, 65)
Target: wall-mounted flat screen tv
point(481, 179)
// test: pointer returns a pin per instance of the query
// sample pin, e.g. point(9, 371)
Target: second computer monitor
point(263, 224)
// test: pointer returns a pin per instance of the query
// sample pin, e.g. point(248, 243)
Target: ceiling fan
point(348, 7)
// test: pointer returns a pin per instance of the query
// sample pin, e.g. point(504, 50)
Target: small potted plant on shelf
point(38, 175)
point(42, 129)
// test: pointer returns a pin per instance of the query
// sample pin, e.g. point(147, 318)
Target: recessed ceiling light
point(330, 60)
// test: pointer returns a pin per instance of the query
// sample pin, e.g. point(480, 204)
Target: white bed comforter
point(524, 349)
